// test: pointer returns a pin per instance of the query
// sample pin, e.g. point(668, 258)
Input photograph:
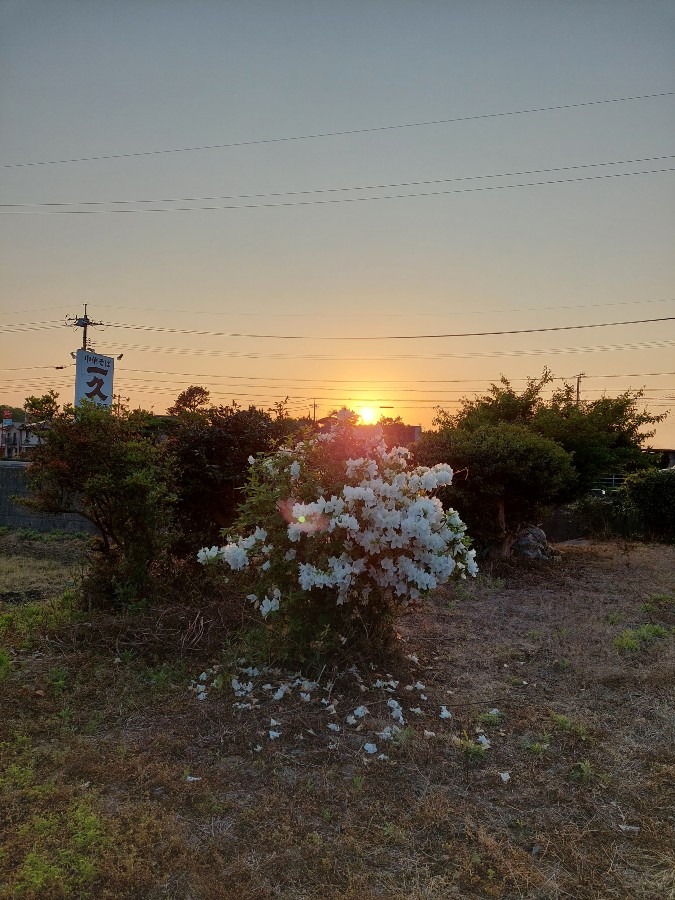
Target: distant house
point(18, 439)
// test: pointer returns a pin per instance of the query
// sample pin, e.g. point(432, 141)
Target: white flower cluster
point(235, 554)
point(382, 531)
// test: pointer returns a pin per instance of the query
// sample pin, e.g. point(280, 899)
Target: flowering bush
point(338, 533)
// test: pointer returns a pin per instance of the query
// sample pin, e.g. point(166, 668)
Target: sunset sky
point(296, 198)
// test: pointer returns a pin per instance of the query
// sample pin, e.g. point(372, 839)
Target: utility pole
point(314, 411)
point(579, 377)
point(82, 322)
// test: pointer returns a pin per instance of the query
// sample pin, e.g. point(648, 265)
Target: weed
point(66, 716)
point(582, 771)
point(4, 529)
point(626, 642)
point(57, 679)
point(85, 826)
point(37, 873)
point(570, 727)
point(93, 723)
point(62, 858)
point(474, 753)
point(27, 622)
point(393, 834)
point(5, 664)
point(615, 618)
point(661, 600)
point(17, 762)
point(475, 590)
point(403, 737)
point(27, 534)
point(537, 744)
point(491, 717)
point(357, 782)
point(648, 633)
point(630, 641)
point(163, 675)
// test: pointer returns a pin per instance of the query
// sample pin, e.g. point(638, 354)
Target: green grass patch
point(5, 664)
point(632, 640)
point(24, 625)
point(569, 726)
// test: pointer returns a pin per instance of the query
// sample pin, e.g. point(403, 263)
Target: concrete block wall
point(13, 484)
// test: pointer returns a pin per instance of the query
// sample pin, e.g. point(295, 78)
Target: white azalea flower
point(396, 711)
point(370, 748)
point(361, 711)
point(445, 713)
point(274, 735)
point(333, 726)
point(268, 606)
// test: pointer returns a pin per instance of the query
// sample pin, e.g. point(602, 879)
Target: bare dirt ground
point(518, 744)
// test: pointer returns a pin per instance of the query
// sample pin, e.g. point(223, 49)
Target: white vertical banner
point(94, 378)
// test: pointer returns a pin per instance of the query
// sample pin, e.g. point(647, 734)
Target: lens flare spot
point(367, 415)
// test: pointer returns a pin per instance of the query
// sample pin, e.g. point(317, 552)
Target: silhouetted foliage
point(523, 451)
point(212, 447)
point(112, 471)
point(191, 400)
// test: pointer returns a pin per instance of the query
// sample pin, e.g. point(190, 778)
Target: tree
point(191, 400)
point(212, 451)
point(44, 408)
point(604, 436)
point(646, 502)
point(504, 474)
point(110, 470)
point(523, 451)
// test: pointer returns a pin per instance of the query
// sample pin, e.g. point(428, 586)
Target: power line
point(317, 380)
point(302, 400)
point(234, 354)
point(177, 209)
point(362, 314)
point(389, 337)
point(366, 187)
point(352, 131)
point(302, 337)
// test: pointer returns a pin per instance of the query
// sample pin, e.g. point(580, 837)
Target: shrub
point(648, 499)
point(643, 508)
point(337, 534)
point(113, 471)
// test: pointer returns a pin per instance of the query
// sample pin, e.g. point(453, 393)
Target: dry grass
point(101, 734)
point(37, 569)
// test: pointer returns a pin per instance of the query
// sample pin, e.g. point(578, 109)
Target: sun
point(368, 415)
